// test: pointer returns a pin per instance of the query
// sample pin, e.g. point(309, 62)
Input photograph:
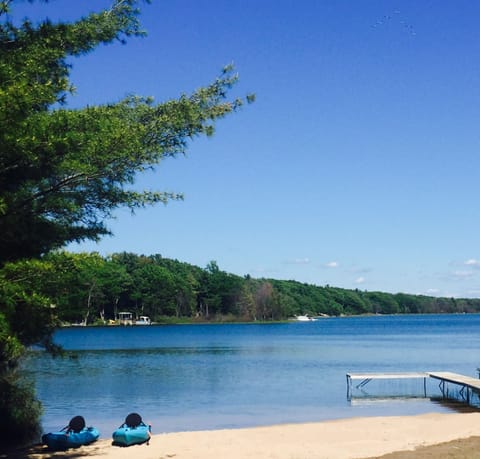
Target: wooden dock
point(466, 385)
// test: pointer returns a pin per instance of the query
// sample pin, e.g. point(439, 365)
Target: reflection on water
point(219, 376)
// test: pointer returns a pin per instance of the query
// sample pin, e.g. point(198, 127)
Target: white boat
point(305, 318)
point(143, 320)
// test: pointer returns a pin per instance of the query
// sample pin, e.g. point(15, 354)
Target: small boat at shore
point(132, 432)
point(74, 435)
point(305, 318)
point(143, 320)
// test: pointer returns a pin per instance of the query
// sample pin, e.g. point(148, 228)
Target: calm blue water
point(191, 377)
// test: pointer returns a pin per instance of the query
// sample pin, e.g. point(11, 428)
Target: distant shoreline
point(220, 321)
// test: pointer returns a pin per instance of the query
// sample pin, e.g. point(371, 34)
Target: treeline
point(89, 288)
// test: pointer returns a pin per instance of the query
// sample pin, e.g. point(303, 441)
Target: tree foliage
point(91, 288)
point(64, 171)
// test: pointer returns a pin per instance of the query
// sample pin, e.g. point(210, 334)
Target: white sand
point(340, 439)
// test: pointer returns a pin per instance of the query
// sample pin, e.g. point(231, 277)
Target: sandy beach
point(339, 439)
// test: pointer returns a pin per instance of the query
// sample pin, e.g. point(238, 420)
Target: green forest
point(86, 288)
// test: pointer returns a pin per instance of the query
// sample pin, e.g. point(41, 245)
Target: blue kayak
point(132, 432)
point(126, 436)
point(64, 440)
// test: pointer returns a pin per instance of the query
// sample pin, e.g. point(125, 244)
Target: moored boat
point(143, 320)
point(74, 435)
point(125, 318)
point(132, 432)
point(305, 318)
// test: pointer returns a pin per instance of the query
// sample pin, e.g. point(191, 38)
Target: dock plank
point(455, 378)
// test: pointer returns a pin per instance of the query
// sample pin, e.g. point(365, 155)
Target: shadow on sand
point(42, 452)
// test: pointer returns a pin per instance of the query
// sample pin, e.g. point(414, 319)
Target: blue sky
point(356, 167)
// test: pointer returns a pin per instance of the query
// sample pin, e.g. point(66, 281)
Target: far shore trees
point(91, 289)
point(64, 171)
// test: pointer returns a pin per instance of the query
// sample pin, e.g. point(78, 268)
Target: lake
point(196, 377)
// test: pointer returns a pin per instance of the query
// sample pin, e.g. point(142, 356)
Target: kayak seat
point(133, 420)
point(76, 424)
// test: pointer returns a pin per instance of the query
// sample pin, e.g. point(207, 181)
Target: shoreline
point(239, 321)
point(350, 438)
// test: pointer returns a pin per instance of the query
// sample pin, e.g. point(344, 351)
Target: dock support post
point(349, 387)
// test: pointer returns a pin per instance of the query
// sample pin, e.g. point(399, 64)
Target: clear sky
point(357, 166)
